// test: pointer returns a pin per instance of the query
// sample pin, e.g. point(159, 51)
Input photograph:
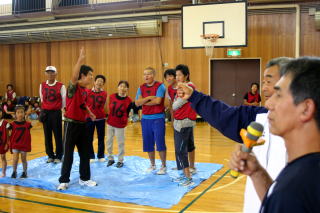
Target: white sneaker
point(187, 182)
point(89, 183)
point(102, 160)
point(162, 171)
point(92, 160)
point(49, 160)
point(151, 168)
point(193, 170)
point(57, 161)
point(63, 186)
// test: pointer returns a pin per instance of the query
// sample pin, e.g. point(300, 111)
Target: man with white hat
point(53, 99)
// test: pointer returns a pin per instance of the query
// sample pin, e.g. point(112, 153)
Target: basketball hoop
point(209, 41)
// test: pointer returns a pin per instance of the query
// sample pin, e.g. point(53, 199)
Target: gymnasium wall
point(270, 36)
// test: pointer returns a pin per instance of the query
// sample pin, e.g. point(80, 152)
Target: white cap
point(51, 68)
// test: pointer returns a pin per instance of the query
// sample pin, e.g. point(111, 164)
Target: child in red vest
point(4, 143)
point(119, 107)
point(20, 140)
point(253, 97)
point(10, 94)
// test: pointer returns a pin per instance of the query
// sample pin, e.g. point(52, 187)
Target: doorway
point(230, 79)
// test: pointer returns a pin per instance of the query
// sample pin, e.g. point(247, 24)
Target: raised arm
point(76, 68)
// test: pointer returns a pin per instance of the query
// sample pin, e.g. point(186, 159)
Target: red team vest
point(20, 136)
point(10, 95)
point(185, 111)
point(76, 105)
point(151, 91)
point(51, 96)
point(10, 107)
point(253, 97)
point(118, 111)
point(172, 92)
point(96, 102)
point(3, 137)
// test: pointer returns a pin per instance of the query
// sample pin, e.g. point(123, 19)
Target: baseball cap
point(51, 68)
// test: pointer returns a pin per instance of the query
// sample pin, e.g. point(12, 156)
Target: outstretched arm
point(229, 120)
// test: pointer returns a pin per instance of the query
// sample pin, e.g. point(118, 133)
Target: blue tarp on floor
point(129, 184)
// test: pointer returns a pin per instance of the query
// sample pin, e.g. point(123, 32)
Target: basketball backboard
point(228, 19)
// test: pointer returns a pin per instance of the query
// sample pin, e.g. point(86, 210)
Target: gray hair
point(280, 62)
point(151, 69)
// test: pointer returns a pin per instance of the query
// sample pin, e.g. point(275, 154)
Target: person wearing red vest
point(184, 122)
point(53, 99)
point(20, 140)
point(75, 128)
point(96, 101)
point(8, 110)
point(4, 142)
point(253, 97)
point(170, 77)
point(10, 94)
point(119, 107)
point(150, 96)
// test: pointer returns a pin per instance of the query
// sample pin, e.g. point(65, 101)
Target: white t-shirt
point(272, 156)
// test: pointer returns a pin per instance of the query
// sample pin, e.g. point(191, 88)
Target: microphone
point(249, 137)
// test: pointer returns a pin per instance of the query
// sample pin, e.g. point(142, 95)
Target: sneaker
point(14, 175)
point(63, 186)
point(151, 168)
point(57, 161)
point(92, 160)
point(162, 171)
point(193, 170)
point(50, 160)
point(102, 160)
point(89, 183)
point(23, 175)
point(110, 163)
point(179, 179)
point(119, 165)
point(187, 182)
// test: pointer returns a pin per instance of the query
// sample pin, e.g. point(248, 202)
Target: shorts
point(153, 132)
point(18, 151)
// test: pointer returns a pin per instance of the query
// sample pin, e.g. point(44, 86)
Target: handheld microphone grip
point(249, 138)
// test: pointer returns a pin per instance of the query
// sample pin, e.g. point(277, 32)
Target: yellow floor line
point(103, 205)
point(218, 188)
point(86, 203)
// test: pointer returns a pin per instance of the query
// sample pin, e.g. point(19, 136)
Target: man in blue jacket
point(229, 120)
point(294, 115)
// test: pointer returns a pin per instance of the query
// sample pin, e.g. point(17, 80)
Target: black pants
point(53, 123)
point(100, 125)
point(183, 143)
point(75, 134)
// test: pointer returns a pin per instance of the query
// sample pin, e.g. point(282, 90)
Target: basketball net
point(209, 41)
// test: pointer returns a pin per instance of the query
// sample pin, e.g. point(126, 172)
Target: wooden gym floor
point(220, 193)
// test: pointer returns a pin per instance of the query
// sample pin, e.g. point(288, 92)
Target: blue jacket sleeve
point(229, 120)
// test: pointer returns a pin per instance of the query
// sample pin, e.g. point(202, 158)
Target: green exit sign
point(234, 52)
